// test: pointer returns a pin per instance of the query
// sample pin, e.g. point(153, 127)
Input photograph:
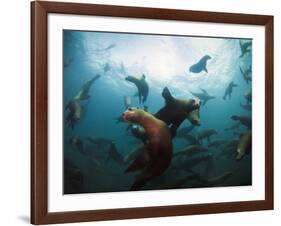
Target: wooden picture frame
point(39, 112)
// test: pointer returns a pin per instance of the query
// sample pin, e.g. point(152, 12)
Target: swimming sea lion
point(203, 96)
point(83, 94)
point(183, 131)
point(157, 155)
point(74, 113)
point(206, 134)
point(217, 143)
point(201, 65)
point(191, 150)
point(244, 120)
point(142, 86)
point(229, 89)
point(244, 47)
point(246, 74)
point(245, 145)
point(176, 111)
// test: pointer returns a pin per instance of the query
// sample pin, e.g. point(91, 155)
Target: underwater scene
point(152, 112)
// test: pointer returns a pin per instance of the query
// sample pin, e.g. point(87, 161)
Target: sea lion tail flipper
point(139, 183)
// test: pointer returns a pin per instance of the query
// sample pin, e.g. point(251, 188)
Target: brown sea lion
point(83, 94)
point(157, 154)
point(244, 120)
point(244, 145)
point(229, 90)
point(206, 134)
point(142, 86)
point(74, 113)
point(176, 111)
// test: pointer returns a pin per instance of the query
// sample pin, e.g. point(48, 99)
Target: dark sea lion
point(201, 65)
point(203, 96)
point(217, 143)
point(83, 94)
point(176, 111)
point(191, 139)
point(244, 120)
point(188, 162)
point(142, 86)
point(74, 113)
point(229, 90)
point(183, 131)
point(246, 74)
point(191, 150)
point(157, 154)
point(244, 145)
point(244, 47)
point(206, 134)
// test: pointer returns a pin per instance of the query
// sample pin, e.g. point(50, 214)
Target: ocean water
point(165, 62)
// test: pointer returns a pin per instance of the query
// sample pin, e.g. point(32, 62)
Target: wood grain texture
point(39, 109)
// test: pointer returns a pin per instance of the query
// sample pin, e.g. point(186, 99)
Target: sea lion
point(142, 86)
point(74, 113)
point(191, 150)
point(229, 90)
point(83, 94)
point(246, 74)
point(206, 134)
point(244, 145)
point(217, 143)
point(203, 96)
point(157, 154)
point(191, 139)
point(187, 163)
point(184, 131)
point(244, 120)
point(176, 111)
point(244, 47)
point(201, 65)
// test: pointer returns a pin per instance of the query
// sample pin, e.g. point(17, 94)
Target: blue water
point(165, 60)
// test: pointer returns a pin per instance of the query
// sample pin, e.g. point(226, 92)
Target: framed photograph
point(147, 112)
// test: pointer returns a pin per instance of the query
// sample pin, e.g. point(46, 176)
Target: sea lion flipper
point(205, 69)
point(167, 95)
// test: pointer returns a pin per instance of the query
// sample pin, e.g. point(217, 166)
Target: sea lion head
point(132, 115)
point(207, 57)
point(194, 117)
point(191, 104)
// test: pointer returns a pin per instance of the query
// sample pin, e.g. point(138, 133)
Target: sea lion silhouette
point(201, 65)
